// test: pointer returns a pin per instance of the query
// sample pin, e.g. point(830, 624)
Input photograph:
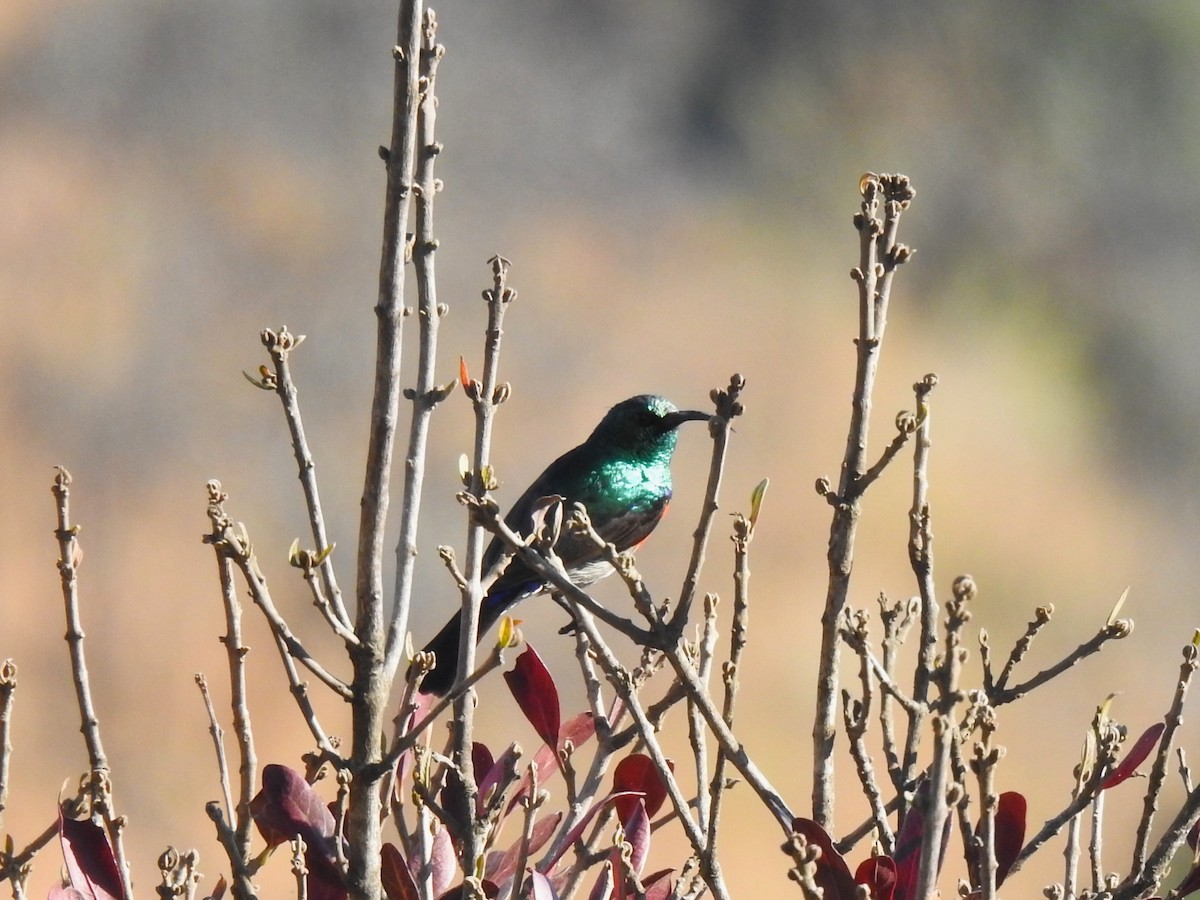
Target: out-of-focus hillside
point(674, 183)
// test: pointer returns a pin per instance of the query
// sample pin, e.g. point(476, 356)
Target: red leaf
point(1135, 757)
point(908, 843)
point(637, 834)
point(833, 875)
point(637, 772)
point(500, 866)
point(879, 874)
point(90, 862)
point(398, 882)
point(1010, 832)
point(507, 760)
point(443, 862)
point(574, 833)
point(578, 731)
point(659, 885)
point(535, 692)
point(287, 806)
point(481, 760)
point(58, 892)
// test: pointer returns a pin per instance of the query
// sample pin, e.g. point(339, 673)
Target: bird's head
point(644, 425)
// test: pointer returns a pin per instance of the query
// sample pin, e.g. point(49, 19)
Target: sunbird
point(621, 474)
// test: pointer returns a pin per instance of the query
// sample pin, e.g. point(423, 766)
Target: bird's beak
point(677, 418)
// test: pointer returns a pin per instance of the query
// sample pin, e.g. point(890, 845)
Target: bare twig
point(619, 678)
point(880, 254)
point(728, 407)
point(697, 734)
point(427, 394)
point(485, 394)
point(920, 556)
point(986, 756)
point(8, 690)
point(279, 347)
point(218, 735)
point(1158, 772)
point(237, 548)
point(236, 652)
point(227, 540)
point(99, 781)
point(1112, 631)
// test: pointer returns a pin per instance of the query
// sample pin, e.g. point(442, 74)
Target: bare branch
point(279, 347)
point(879, 256)
point(99, 781)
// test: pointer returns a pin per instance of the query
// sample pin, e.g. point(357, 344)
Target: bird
point(622, 476)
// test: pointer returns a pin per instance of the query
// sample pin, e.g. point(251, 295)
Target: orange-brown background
point(673, 183)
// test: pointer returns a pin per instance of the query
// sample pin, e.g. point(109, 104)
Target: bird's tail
point(444, 646)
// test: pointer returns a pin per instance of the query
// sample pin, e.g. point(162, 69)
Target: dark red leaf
point(879, 874)
point(507, 760)
point(1135, 757)
point(636, 772)
point(1010, 832)
point(287, 806)
point(535, 692)
point(481, 760)
point(398, 882)
point(219, 889)
point(833, 875)
point(908, 843)
point(91, 865)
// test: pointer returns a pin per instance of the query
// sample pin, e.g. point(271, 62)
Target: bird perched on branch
point(621, 474)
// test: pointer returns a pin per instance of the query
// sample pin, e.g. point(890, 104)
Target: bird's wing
point(520, 516)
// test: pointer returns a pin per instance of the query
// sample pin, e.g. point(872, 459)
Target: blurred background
point(673, 183)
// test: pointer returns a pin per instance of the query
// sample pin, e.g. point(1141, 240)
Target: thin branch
point(879, 255)
point(486, 394)
point(236, 547)
point(1159, 861)
point(238, 843)
point(920, 556)
point(697, 736)
point(743, 533)
point(218, 736)
point(1158, 772)
point(100, 781)
point(728, 407)
point(279, 347)
point(619, 678)
point(427, 394)
point(8, 690)
point(1112, 631)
